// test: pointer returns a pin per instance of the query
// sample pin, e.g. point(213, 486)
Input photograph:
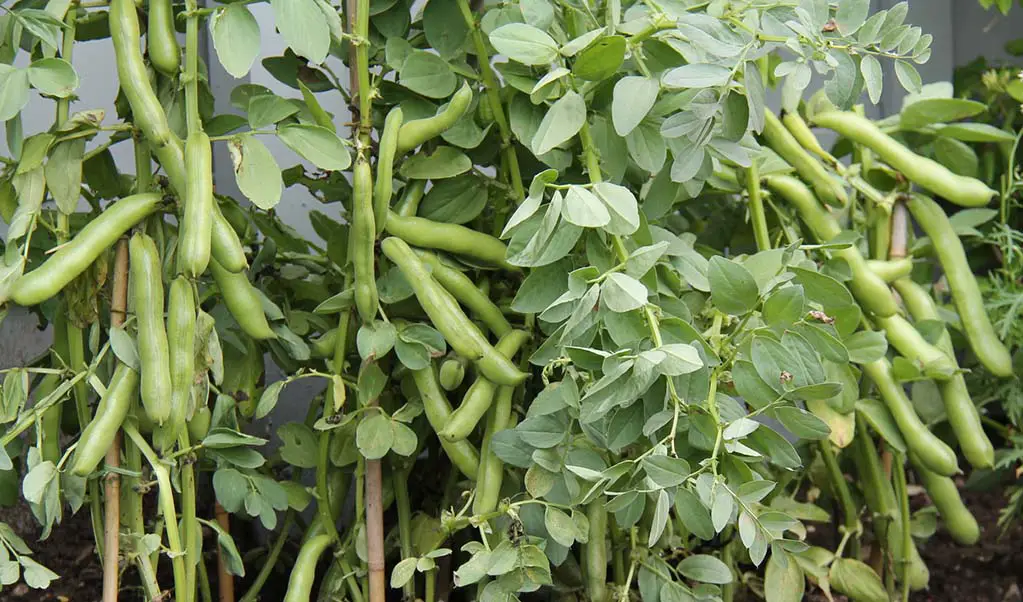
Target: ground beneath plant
point(991, 571)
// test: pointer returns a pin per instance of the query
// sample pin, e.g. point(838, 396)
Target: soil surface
point(991, 571)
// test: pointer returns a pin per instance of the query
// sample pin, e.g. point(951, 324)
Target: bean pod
point(197, 220)
point(242, 301)
point(911, 344)
point(959, 407)
point(491, 470)
point(225, 246)
point(452, 238)
point(76, 256)
point(300, 584)
point(99, 435)
point(935, 177)
point(808, 167)
point(932, 451)
point(363, 239)
point(154, 356)
point(965, 292)
point(958, 519)
point(463, 454)
point(467, 293)
point(181, 317)
point(415, 132)
point(384, 183)
point(164, 53)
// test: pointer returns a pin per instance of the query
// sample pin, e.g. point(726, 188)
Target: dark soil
point(991, 571)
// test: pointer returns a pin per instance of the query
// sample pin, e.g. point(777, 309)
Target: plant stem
point(204, 583)
point(166, 495)
point(852, 523)
point(112, 481)
point(899, 230)
point(756, 208)
point(492, 89)
point(225, 581)
point(399, 480)
point(431, 586)
point(191, 74)
point(189, 524)
point(271, 559)
point(901, 491)
point(131, 508)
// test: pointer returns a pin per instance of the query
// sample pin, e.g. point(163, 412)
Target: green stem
point(849, 513)
point(252, 594)
point(76, 353)
point(492, 88)
point(204, 583)
point(191, 74)
point(166, 500)
point(756, 208)
point(399, 479)
point(431, 586)
point(901, 491)
point(189, 524)
point(590, 157)
point(135, 521)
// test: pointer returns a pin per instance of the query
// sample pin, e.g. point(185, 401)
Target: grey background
point(962, 31)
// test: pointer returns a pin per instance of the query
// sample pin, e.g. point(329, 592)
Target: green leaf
point(14, 87)
point(524, 43)
point(622, 293)
point(124, 348)
point(454, 200)
point(445, 27)
point(267, 109)
point(584, 209)
point(55, 77)
point(444, 162)
point(694, 514)
point(374, 436)
point(783, 580)
point(873, 77)
point(236, 38)
point(403, 572)
point(697, 75)
point(732, 287)
point(975, 132)
point(927, 111)
point(299, 445)
point(785, 306)
point(866, 346)
point(268, 400)
point(907, 75)
point(601, 59)
point(231, 487)
point(304, 28)
point(256, 171)
point(665, 471)
point(705, 568)
point(849, 17)
point(316, 144)
point(559, 525)
point(801, 423)
point(622, 206)
point(823, 289)
point(63, 173)
point(427, 74)
point(631, 101)
point(563, 120)
point(36, 575)
point(375, 339)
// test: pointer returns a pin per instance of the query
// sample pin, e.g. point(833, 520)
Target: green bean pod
point(480, 395)
point(49, 420)
point(181, 316)
point(958, 519)
point(965, 292)
point(491, 471)
point(880, 497)
point(908, 341)
point(452, 238)
point(300, 584)
point(225, 246)
point(362, 239)
point(959, 407)
point(449, 319)
point(451, 373)
point(781, 141)
point(463, 454)
point(154, 357)
point(76, 256)
point(467, 293)
point(242, 301)
point(323, 345)
point(927, 173)
point(595, 552)
point(99, 435)
point(199, 423)
point(891, 270)
point(164, 53)
point(870, 290)
point(411, 196)
point(196, 235)
point(801, 131)
point(932, 451)
point(147, 112)
point(415, 132)
point(384, 182)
